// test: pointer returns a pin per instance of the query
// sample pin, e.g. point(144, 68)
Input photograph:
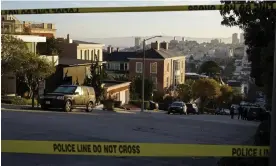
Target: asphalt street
point(121, 127)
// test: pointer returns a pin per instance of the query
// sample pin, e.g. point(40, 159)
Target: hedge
point(18, 101)
point(138, 103)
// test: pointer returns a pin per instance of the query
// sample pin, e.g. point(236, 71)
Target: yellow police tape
point(240, 7)
point(131, 149)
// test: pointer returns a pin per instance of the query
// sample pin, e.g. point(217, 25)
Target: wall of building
point(78, 73)
point(159, 74)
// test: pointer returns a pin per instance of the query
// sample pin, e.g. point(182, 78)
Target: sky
point(199, 24)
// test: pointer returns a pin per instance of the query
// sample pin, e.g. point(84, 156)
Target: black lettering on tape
point(244, 152)
point(129, 149)
point(110, 148)
point(41, 11)
point(64, 147)
point(69, 10)
point(84, 148)
point(201, 7)
point(11, 12)
point(97, 149)
point(263, 152)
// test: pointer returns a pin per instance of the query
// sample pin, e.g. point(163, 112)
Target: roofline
point(83, 64)
point(149, 59)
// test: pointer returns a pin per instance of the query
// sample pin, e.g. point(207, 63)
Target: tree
point(226, 95)
point(50, 47)
point(35, 70)
point(229, 69)
point(185, 91)
point(210, 68)
point(136, 88)
point(95, 80)
point(13, 53)
point(206, 89)
point(259, 32)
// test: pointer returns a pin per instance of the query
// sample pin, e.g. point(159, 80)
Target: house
point(78, 52)
point(239, 86)
point(76, 74)
point(8, 83)
point(10, 24)
point(117, 62)
point(164, 67)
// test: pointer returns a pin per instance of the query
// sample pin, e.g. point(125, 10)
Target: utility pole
point(143, 72)
point(272, 158)
point(143, 76)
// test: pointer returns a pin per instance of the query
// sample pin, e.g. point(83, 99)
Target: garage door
point(123, 97)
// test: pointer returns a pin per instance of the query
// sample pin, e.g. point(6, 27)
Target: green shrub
point(22, 101)
point(138, 103)
point(108, 104)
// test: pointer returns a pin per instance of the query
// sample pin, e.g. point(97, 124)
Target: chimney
point(164, 45)
point(117, 49)
point(155, 45)
point(109, 49)
point(174, 38)
point(112, 49)
point(68, 38)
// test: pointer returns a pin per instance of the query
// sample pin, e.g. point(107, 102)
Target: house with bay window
point(79, 52)
point(166, 68)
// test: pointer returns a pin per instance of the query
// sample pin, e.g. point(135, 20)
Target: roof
point(119, 56)
point(83, 42)
point(159, 54)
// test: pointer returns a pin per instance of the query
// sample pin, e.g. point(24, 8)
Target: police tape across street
point(235, 6)
point(131, 149)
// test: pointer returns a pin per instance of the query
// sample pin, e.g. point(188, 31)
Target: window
point(139, 67)
point(126, 66)
point(92, 55)
point(80, 54)
point(153, 67)
point(182, 64)
point(79, 90)
point(108, 66)
point(167, 82)
point(182, 77)
point(168, 67)
point(65, 89)
point(154, 81)
point(117, 66)
point(176, 65)
point(85, 55)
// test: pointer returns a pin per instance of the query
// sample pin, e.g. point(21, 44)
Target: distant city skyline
point(196, 24)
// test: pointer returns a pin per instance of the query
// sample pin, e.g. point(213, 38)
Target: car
point(192, 108)
point(257, 113)
point(222, 111)
point(68, 97)
point(178, 107)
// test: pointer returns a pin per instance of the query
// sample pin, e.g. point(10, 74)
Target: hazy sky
point(202, 24)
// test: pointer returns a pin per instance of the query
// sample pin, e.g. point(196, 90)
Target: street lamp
point(143, 71)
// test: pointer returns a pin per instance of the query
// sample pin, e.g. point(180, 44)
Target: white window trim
point(150, 68)
point(139, 63)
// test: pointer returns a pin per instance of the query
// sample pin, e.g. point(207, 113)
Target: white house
point(8, 83)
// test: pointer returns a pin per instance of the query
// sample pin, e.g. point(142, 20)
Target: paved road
point(128, 127)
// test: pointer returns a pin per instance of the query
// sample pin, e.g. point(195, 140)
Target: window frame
point(136, 67)
point(152, 63)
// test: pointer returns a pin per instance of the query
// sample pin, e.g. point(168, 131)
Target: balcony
point(13, 27)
